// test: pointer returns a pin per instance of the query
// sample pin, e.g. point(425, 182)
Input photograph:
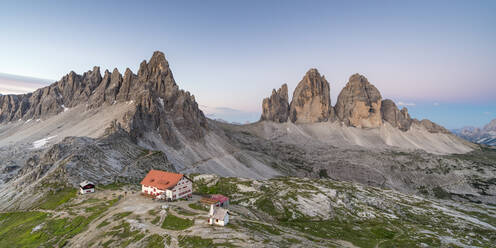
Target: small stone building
point(217, 200)
point(218, 216)
point(86, 187)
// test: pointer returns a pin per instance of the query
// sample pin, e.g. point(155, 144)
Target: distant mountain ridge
point(485, 135)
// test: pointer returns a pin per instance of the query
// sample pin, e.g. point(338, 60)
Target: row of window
point(174, 190)
point(185, 192)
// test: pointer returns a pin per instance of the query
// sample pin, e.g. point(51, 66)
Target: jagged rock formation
point(431, 126)
point(276, 107)
point(160, 104)
point(397, 118)
point(359, 103)
point(104, 160)
point(114, 120)
point(311, 99)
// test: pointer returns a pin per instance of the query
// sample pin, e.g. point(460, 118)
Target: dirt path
point(140, 206)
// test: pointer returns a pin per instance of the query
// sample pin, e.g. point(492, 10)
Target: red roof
point(219, 198)
point(161, 179)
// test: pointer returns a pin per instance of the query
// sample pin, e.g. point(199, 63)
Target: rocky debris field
point(280, 212)
point(324, 150)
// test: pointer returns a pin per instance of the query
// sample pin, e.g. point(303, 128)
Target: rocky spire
point(114, 86)
point(127, 84)
point(276, 107)
point(391, 114)
point(158, 63)
point(359, 103)
point(311, 99)
point(158, 74)
point(162, 102)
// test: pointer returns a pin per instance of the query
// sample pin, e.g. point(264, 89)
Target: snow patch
point(65, 108)
point(161, 101)
point(37, 228)
point(42, 142)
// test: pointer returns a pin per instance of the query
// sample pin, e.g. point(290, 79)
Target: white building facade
point(218, 216)
point(86, 187)
point(167, 185)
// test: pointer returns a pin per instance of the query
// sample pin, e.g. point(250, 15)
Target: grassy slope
point(291, 210)
point(364, 216)
point(173, 222)
point(17, 229)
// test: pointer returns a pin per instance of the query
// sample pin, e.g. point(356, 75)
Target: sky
point(435, 57)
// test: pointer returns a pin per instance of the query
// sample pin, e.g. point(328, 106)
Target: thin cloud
point(436, 104)
point(406, 103)
point(13, 84)
point(229, 114)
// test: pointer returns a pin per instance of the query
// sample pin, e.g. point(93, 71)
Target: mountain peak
point(359, 103)
point(276, 107)
point(397, 118)
point(357, 78)
point(311, 99)
point(491, 126)
point(158, 62)
point(313, 71)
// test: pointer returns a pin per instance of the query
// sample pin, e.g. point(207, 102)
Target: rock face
point(311, 99)
point(276, 107)
point(159, 103)
point(431, 126)
point(397, 118)
point(104, 160)
point(359, 103)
